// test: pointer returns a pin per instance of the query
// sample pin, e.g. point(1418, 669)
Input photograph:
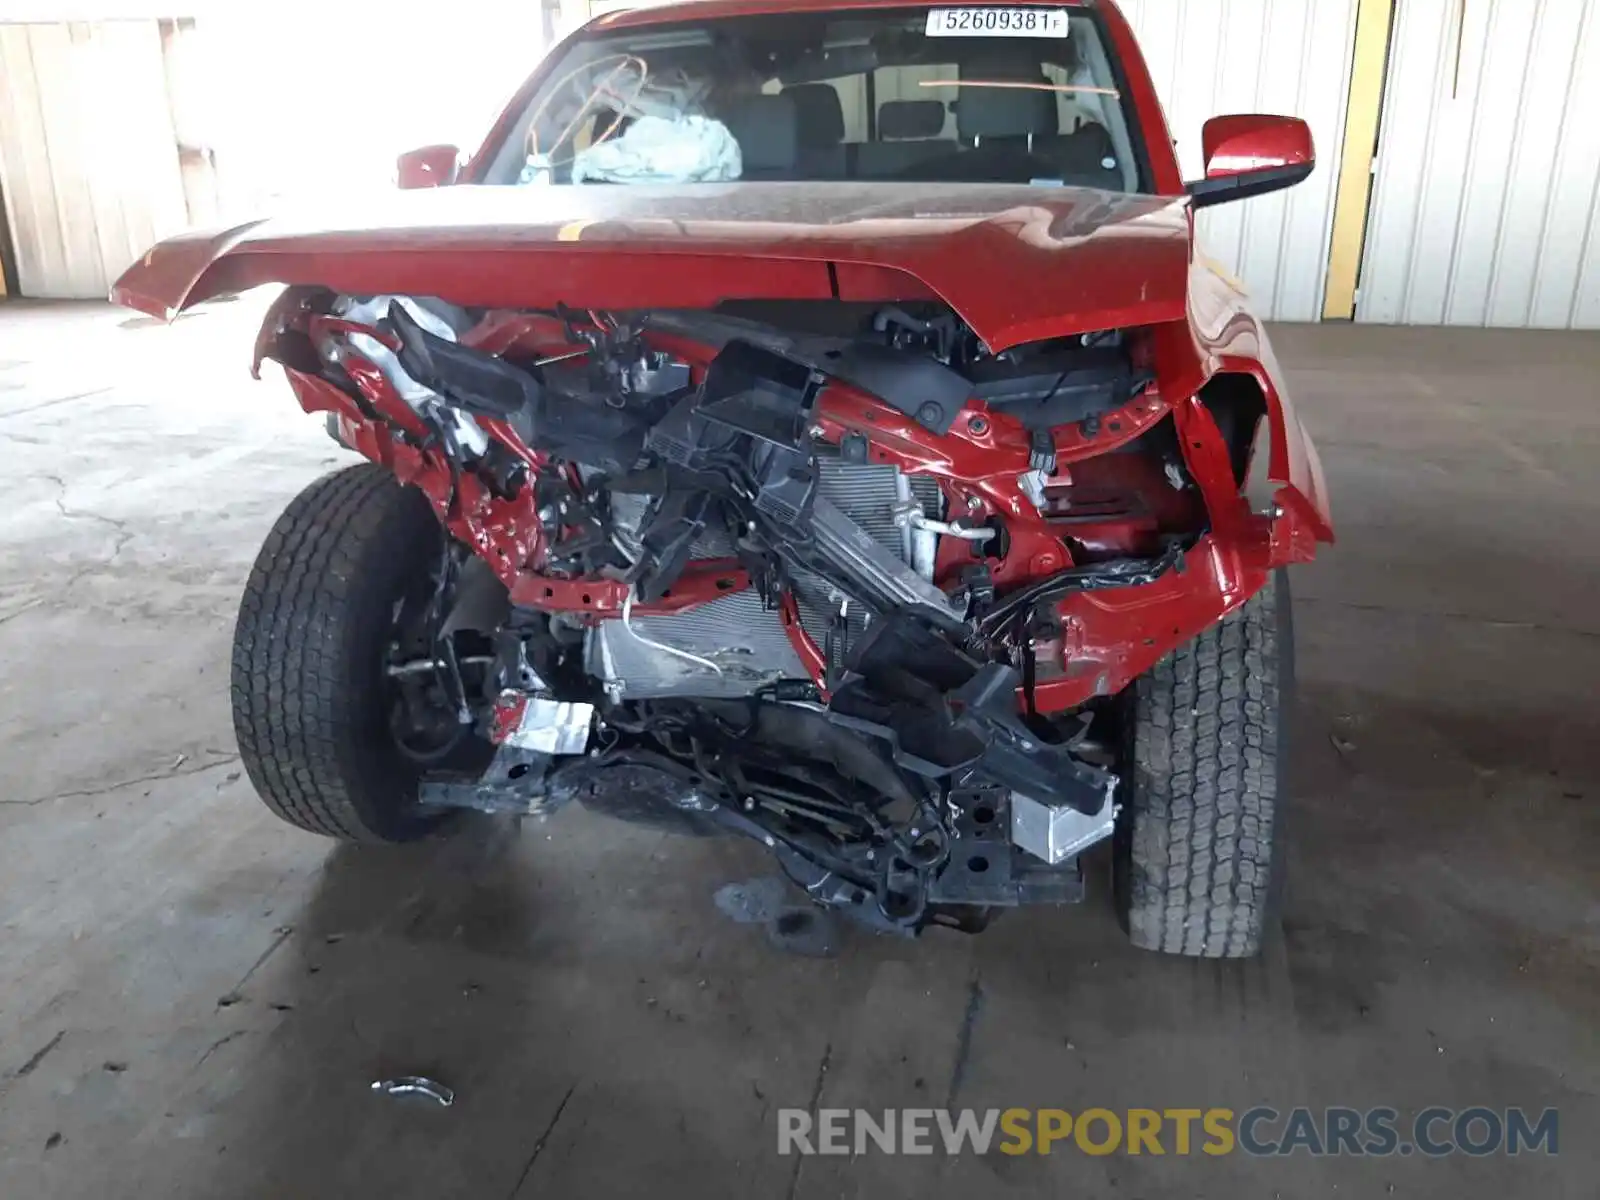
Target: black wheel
point(334, 737)
point(1198, 865)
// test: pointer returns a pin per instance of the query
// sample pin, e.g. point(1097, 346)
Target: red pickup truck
point(810, 421)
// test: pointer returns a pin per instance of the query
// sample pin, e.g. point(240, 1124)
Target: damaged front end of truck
point(843, 526)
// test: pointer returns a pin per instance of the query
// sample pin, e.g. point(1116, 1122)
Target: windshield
point(1017, 95)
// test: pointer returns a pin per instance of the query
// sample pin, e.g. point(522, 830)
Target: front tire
point(1199, 864)
point(310, 699)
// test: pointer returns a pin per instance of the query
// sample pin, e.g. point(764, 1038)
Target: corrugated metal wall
point(1210, 57)
point(87, 152)
point(1486, 200)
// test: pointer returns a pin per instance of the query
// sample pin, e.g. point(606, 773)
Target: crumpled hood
point(1018, 263)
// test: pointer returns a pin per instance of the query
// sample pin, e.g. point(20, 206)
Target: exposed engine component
point(730, 647)
point(747, 624)
point(738, 643)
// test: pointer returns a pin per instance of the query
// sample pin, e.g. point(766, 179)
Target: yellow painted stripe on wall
point(1373, 20)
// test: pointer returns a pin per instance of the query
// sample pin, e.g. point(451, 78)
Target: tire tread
point(299, 690)
point(1206, 753)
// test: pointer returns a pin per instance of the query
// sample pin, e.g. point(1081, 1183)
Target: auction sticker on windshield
point(998, 22)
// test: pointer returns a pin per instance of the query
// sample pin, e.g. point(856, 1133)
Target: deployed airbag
point(663, 150)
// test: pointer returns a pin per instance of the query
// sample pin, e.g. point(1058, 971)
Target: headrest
point(1010, 112)
point(903, 120)
point(991, 112)
point(820, 113)
point(767, 129)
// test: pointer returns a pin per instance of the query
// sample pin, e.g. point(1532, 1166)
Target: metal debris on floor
point(416, 1085)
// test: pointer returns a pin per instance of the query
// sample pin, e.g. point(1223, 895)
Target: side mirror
point(428, 166)
point(1250, 155)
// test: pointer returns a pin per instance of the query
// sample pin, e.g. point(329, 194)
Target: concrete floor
point(194, 998)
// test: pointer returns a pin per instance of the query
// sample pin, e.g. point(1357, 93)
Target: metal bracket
point(1057, 832)
point(513, 783)
point(986, 869)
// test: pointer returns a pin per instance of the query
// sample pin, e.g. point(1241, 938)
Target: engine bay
point(790, 569)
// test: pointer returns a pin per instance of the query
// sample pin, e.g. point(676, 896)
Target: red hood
point(1018, 263)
